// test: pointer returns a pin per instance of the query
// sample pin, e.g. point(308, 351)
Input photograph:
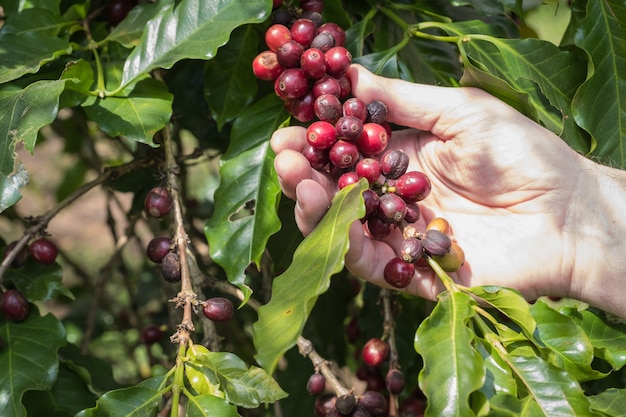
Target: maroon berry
point(312, 5)
point(345, 86)
point(373, 139)
point(158, 202)
point(413, 186)
point(316, 384)
point(291, 83)
point(265, 66)
point(326, 85)
point(377, 112)
point(19, 258)
point(411, 250)
point(157, 248)
point(313, 63)
point(394, 163)
point(318, 158)
point(336, 31)
point(303, 31)
point(218, 309)
point(44, 251)
point(346, 179)
point(375, 352)
point(276, 35)
point(14, 305)
point(151, 334)
point(117, 10)
point(395, 381)
point(302, 107)
point(355, 107)
point(375, 403)
point(321, 135)
point(327, 107)
point(372, 201)
point(324, 404)
point(414, 406)
point(276, 4)
point(338, 60)
point(349, 128)
point(368, 168)
point(170, 267)
point(391, 208)
point(315, 17)
point(436, 243)
point(323, 41)
point(379, 228)
point(344, 154)
point(398, 273)
point(345, 404)
point(412, 212)
point(289, 53)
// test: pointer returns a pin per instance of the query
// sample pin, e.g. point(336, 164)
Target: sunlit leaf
point(510, 303)
point(210, 406)
point(128, 32)
point(315, 261)
point(498, 376)
point(611, 402)
point(505, 405)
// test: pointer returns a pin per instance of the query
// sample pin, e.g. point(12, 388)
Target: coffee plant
point(151, 267)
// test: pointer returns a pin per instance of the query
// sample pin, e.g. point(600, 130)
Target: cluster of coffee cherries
point(160, 250)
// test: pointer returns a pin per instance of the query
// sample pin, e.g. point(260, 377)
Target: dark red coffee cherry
point(291, 83)
point(368, 168)
point(345, 86)
point(318, 158)
point(373, 140)
point(327, 108)
point(336, 31)
point(375, 403)
point(338, 60)
point(379, 228)
point(372, 201)
point(413, 186)
point(170, 267)
point(324, 404)
point(316, 384)
point(375, 352)
point(265, 66)
point(395, 381)
point(117, 10)
point(288, 54)
point(151, 334)
point(20, 258)
point(343, 154)
point(312, 5)
point(349, 128)
point(411, 250)
point(313, 63)
point(302, 107)
point(303, 31)
point(44, 251)
point(326, 85)
point(276, 35)
point(394, 163)
point(218, 309)
point(398, 273)
point(14, 305)
point(391, 208)
point(158, 202)
point(377, 112)
point(321, 135)
point(355, 107)
point(157, 248)
point(346, 179)
point(412, 212)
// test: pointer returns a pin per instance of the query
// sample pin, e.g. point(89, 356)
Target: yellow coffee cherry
point(453, 260)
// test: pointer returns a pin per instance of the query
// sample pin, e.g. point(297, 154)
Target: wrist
point(597, 230)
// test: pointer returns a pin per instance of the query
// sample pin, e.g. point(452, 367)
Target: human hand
point(504, 183)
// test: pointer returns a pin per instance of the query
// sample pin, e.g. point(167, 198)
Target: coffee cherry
point(346, 86)
point(20, 258)
point(282, 16)
point(413, 186)
point(378, 228)
point(313, 63)
point(368, 168)
point(326, 85)
point(413, 406)
point(324, 404)
point(377, 112)
point(117, 10)
point(327, 108)
point(44, 251)
point(321, 135)
point(218, 309)
point(151, 334)
point(349, 128)
point(291, 83)
point(302, 107)
point(439, 223)
point(276, 4)
point(276, 35)
point(375, 352)
point(412, 212)
point(453, 260)
point(157, 248)
point(170, 267)
point(394, 163)
point(323, 41)
point(375, 403)
point(14, 305)
point(288, 54)
point(436, 243)
point(336, 31)
point(316, 384)
point(411, 250)
point(344, 154)
point(355, 107)
point(373, 139)
point(345, 404)
point(391, 208)
point(315, 17)
point(372, 201)
point(346, 179)
point(265, 66)
point(338, 60)
point(303, 31)
point(312, 5)
point(158, 202)
point(318, 158)
point(395, 381)
point(398, 273)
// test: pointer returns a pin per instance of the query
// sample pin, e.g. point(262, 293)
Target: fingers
point(312, 202)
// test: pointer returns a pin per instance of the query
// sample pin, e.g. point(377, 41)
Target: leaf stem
point(179, 381)
point(447, 281)
point(417, 30)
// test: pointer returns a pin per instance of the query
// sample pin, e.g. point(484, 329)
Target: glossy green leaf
point(35, 20)
point(14, 6)
point(25, 53)
point(505, 405)
point(96, 373)
point(28, 358)
point(607, 337)
point(210, 406)
point(555, 391)
point(245, 202)
point(570, 348)
point(80, 78)
point(39, 282)
point(611, 402)
point(136, 401)
point(498, 376)
point(229, 83)
point(128, 32)
point(453, 368)
point(138, 116)
point(190, 29)
point(600, 104)
point(10, 186)
point(294, 292)
point(203, 383)
point(244, 386)
point(510, 303)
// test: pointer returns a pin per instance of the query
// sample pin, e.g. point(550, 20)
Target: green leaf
point(245, 202)
point(35, 20)
point(10, 186)
point(138, 116)
point(28, 358)
point(190, 29)
point(97, 374)
point(600, 103)
point(80, 78)
point(210, 406)
point(128, 32)
point(25, 53)
point(203, 383)
point(244, 386)
point(510, 303)
point(498, 376)
point(607, 337)
point(453, 368)
point(611, 402)
point(136, 401)
point(505, 405)
point(315, 261)
point(230, 84)
point(39, 282)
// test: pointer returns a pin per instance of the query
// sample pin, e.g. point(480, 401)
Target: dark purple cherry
point(158, 202)
point(14, 305)
point(218, 309)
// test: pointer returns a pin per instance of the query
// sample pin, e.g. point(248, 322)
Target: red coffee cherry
point(276, 35)
point(398, 273)
point(336, 31)
point(288, 54)
point(327, 108)
point(265, 66)
point(316, 384)
point(313, 63)
point(346, 179)
point(158, 202)
point(373, 139)
point(218, 309)
point(157, 248)
point(302, 107)
point(368, 168)
point(43, 251)
point(413, 186)
point(355, 107)
point(14, 305)
point(321, 135)
point(318, 158)
point(349, 128)
point(338, 60)
point(375, 352)
point(303, 31)
point(291, 83)
point(151, 334)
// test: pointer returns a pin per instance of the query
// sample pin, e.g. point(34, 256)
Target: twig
point(389, 334)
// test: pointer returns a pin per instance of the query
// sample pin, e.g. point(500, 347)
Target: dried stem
point(389, 333)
